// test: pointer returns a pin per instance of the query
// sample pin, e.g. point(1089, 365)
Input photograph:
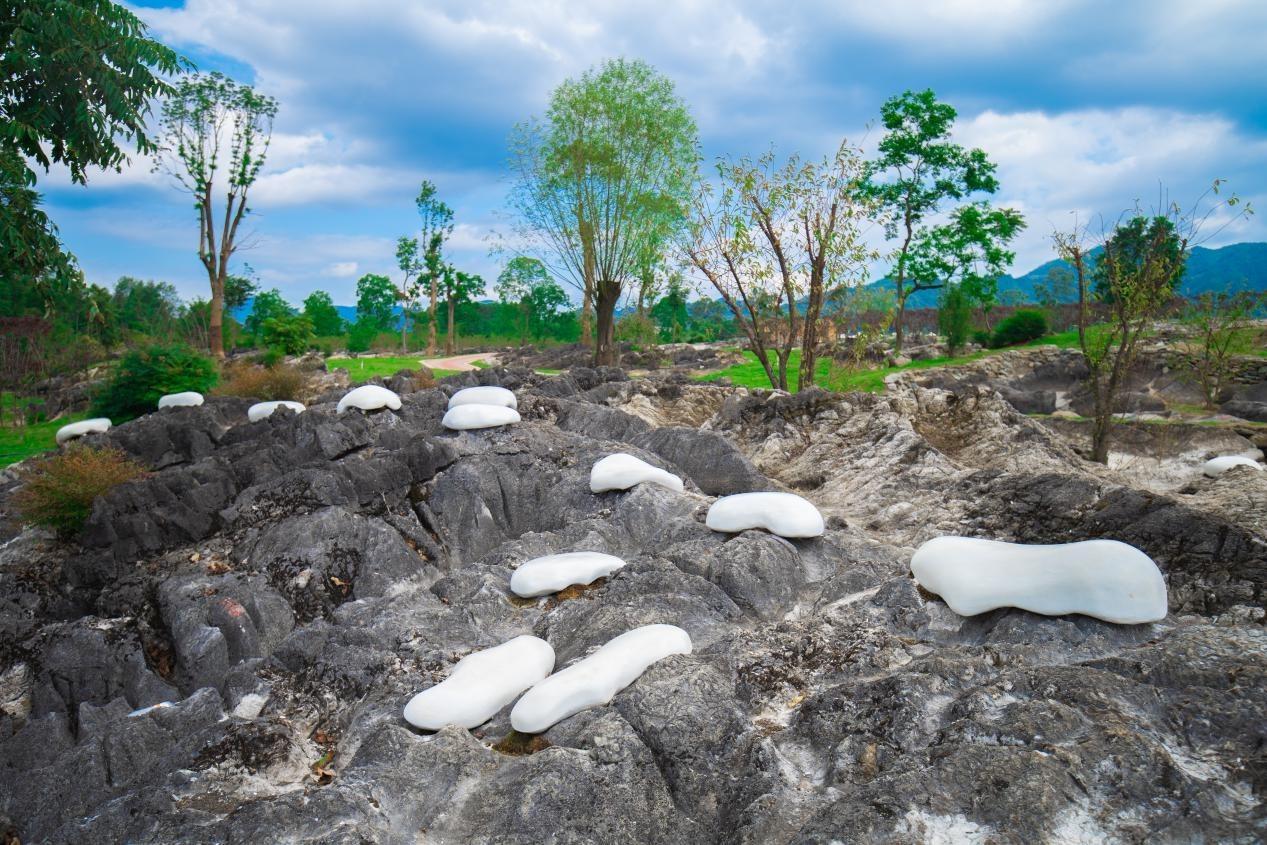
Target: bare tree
point(1222, 328)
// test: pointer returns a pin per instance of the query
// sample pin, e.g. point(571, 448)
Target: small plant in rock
point(1021, 327)
point(142, 376)
point(58, 492)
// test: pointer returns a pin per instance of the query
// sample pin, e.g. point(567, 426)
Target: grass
point(18, 444)
point(364, 369)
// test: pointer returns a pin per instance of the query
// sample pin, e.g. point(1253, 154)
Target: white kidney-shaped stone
point(1106, 579)
point(369, 397)
point(544, 575)
point(596, 679)
point(97, 425)
point(480, 684)
point(1217, 466)
point(188, 399)
point(466, 417)
point(622, 471)
point(263, 410)
point(144, 710)
point(785, 514)
point(486, 395)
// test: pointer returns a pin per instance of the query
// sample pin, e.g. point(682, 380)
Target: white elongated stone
point(622, 471)
point(1217, 466)
point(97, 425)
point(485, 395)
point(142, 711)
point(466, 417)
point(785, 514)
point(1106, 579)
point(480, 684)
point(544, 575)
point(369, 397)
point(596, 679)
point(188, 399)
point(263, 410)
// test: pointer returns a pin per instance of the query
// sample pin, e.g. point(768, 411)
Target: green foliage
point(1023, 326)
point(238, 290)
point(981, 337)
point(670, 313)
point(145, 308)
point(361, 336)
point(1220, 328)
point(1144, 257)
point(319, 309)
point(638, 329)
point(268, 305)
point(375, 299)
point(291, 333)
point(954, 317)
point(142, 376)
point(58, 492)
point(970, 251)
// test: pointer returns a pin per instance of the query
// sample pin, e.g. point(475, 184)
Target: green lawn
point(17, 444)
point(364, 369)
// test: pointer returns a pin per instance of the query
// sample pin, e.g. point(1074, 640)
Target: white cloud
point(329, 183)
point(342, 269)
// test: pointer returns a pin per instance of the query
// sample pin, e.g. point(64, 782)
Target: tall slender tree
point(515, 285)
point(421, 259)
point(211, 122)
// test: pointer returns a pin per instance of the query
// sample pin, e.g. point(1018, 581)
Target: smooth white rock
point(465, 417)
point(142, 711)
point(96, 425)
point(785, 514)
point(188, 399)
point(622, 471)
point(596, 679)
point(263, 410)
point(480, 684)
point(1217, 466)
point(1106, 579)
point(369, 397)
point(485, 395)
point(544, 575)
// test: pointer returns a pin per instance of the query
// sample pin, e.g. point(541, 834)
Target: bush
point(361, 335)
point(954, 317)
point(638, 329)
point(291, 333)
point(58, 492)
point(1022, 327)
point(265, 383)
point(142, 376)
point(981, 337)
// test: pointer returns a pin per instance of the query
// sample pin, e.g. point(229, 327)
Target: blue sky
point(1086, 107)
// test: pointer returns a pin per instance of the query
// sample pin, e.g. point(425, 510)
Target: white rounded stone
point(593, 681)
point(544, 575)
point(188, 399)
point(97, 425)
point(369, 397)
point(622, 471)
point(480, 684)
point(144, 710)
point(484, 395)
point(1106, 579)
point(785, 514)
point(467, 417)
point(1217, 466)
point(264, 410)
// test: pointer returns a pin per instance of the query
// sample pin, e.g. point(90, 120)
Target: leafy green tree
point(238, 290)
point(456, 287)
point(670, 312)
point(267, 305)
point(954, 317)
point(547, 303)
point(421, 259)
point(515, 285)
point(291, 333)
point(76, 81)
point(917, 171)
point(604, 182)
point(148, 308)
point(1220, 328)
point(320, 311)
point(211, 123)
point(375, 299)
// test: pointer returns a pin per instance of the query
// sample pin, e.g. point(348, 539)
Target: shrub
point(638, 329)
point(144, 375)
point(58, 492)
point(266, 383)
point(361, 335)
point(291, 333)
point(270, 357)
point(981, 337)
point(954, 317)
point(1023, 326)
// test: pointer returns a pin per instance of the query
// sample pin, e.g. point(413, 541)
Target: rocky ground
point(288, 584)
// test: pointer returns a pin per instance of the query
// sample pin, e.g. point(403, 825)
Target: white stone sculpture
point(785, 514)
point(622, 471)
point(97, 425)
point(263, 410)
point(1217, 466)
point(480, 684)
point(544, 575)
point(486, 395)
point(466, 417)
point(369, 397)
point(188, 399)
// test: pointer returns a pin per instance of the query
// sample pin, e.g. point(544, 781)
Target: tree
point(1220, 328)
point(320, 311)
point(375, 299)
point(238, 290)
point(918, 170)
point(604, 183)
point(76, 79)
point(1135, 275)
point(1054, 289)
point(457, 287)
point(421, 259)
point(291, 333)
point(670, 312)
point(515, 285)
point(546, 310)
point(268, 305)
point(212, 122)
point(149, 308)
point(954, 317)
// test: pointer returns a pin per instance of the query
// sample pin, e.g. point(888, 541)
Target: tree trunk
point(215, 330)
point(431, 326)
point(450, 342)
point(588, 281)
point(897, 322)
point(587, 320)
point(605, 347)
point(809, 331)
point(404, 328)
point(1100, 428)
point(523, 326)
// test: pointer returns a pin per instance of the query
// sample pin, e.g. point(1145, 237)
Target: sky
point(1085, 106)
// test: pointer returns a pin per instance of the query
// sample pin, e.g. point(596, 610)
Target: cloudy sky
point(1086, 107)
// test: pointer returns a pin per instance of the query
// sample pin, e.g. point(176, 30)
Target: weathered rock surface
point(289, 584)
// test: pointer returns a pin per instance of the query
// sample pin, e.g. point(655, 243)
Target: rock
point(467, 417)
point(482, 684)
point(544, 575)
point(594, 680)
point(369, 397)
point(96, 425)
point(484, 395)
point(1217, 466)
point(1101, 578)
point(708, 458)
point(188, 399)
point(263, 410)
point(785, 514)
point(622, 471)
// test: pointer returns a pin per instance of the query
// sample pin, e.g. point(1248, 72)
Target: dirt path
point(461, 363)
